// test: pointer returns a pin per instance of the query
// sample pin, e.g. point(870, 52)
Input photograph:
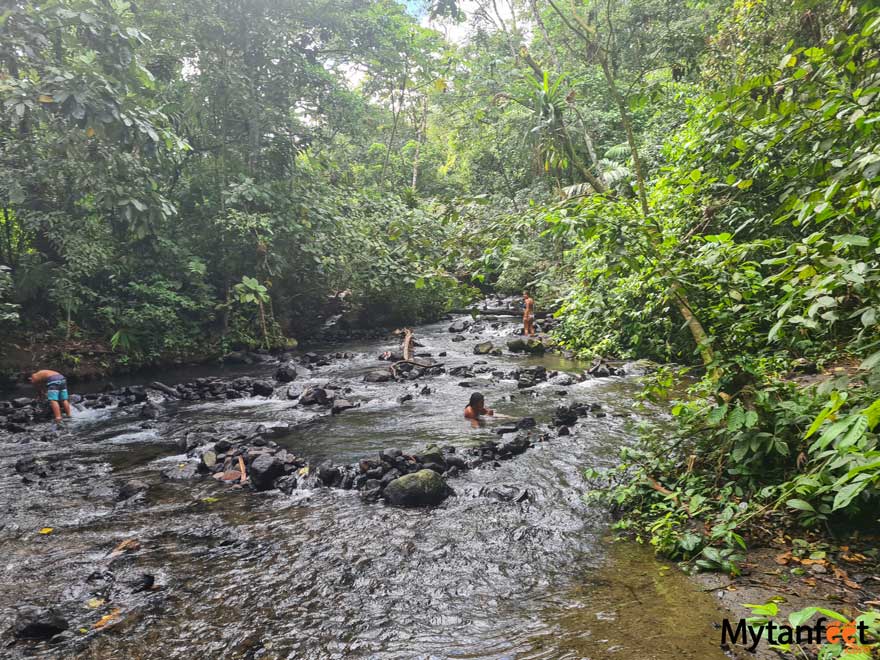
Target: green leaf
point(800, 505)
point(851, 239)
point(847, 494)
point(870, 362)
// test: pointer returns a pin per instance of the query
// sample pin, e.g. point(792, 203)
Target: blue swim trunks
point(56, 388)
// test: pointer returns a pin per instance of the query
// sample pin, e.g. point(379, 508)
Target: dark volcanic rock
point(131, 488)
point(378, 376)
point(286, 373)
point(263, 388)
point(460, 326)
point(264, 469)
point(422, 488)
point(36, 623)
point(328, 474)
point(149, 411)
point(458, 338)
point(314, 396)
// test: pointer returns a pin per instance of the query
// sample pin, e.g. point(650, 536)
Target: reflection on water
point(319, 574)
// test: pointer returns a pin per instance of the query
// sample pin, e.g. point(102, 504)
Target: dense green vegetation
point(692, 181)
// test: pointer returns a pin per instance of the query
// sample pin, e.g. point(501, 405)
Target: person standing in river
point(528, 315)
point(53, 386)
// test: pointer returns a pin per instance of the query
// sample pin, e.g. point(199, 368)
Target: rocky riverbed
point(329, 503)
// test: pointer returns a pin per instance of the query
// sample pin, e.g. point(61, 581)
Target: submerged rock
point(422, 488)
point(36, 623)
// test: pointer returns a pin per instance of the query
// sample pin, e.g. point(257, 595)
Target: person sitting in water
point(53, 386)
point(476, 407)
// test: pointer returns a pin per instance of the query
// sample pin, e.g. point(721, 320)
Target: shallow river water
point(319, 573)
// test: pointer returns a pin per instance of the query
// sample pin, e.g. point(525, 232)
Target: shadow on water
point(319, 574)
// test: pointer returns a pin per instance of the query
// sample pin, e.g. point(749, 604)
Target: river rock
point(264, 469)
point(460, 326)
point(263, 388)
point(378, 376)
point(505, 493)
point(149, 411)
point(294, 392)
point(531, 376)
point(21, 402)
point(286, 373)
point(565, 416)
point(328, 474)
point(526, 423)
point(483, 348)
point(182, 471)
point(339, 405)
point(37, 623)
point(458, 338)
point(131, 488)
point(314, 396)
point(422, 488)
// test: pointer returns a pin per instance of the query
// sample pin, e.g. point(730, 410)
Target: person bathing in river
point(476, 408)
point(528, 315)
point(53, 386)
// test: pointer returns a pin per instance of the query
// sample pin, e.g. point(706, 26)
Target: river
point(321, 574)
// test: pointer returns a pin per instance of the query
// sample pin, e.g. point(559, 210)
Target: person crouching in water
point(476, 407)
point(53, 386)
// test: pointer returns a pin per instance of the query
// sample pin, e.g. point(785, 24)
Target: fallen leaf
point(128, 545)
point(852, 557)
point(784, 558)
point(107, 619)
point(209, 500)
point(46, 530)
point(90, 132)
point(303, 471)
point(46, 98)
point(94, 603)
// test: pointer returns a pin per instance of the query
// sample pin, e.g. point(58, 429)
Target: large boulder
point(517, 345)
point(422, 488)
point(483, 348)
point(286, 373)
point(264, 469)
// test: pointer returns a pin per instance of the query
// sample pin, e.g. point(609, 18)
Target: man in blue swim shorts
point(53, 386)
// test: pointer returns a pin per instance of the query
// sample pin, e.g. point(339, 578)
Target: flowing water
point(320, 574)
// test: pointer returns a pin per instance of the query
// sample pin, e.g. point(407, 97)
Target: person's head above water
point(477, 401)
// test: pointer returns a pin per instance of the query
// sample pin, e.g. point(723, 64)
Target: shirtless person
point(53, 386)
point(475, 408)
point(528, 315)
